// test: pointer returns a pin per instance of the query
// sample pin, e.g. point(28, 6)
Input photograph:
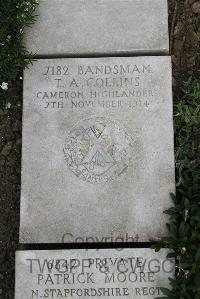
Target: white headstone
point(130, 273)
point(98, 160)
point(85, 27)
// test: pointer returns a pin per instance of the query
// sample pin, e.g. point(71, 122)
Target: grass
point(184, 227)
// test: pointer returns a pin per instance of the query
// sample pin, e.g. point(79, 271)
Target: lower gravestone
point(108, 273)
point(98, 159)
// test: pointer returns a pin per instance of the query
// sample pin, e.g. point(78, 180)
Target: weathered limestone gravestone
point(130, 273)
point(88, 27)
point(97, 161)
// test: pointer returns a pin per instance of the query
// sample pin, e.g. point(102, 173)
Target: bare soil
point(184, 26)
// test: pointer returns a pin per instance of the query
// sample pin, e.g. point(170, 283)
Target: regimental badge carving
point(98, 150)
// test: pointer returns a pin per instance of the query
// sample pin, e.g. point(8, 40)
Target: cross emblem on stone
point(97, 154)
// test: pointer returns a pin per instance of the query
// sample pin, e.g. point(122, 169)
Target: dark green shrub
point(15, 15)
point(184, 227)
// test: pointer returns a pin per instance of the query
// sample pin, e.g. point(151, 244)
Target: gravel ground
point(184, 18)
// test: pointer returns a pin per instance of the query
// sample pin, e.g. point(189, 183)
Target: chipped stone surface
point(127, 273)
point(97, 157)
point(68, 27)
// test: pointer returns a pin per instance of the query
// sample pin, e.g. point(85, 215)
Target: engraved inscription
point(118, 87)
point(111, 273)
point(98, 150)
